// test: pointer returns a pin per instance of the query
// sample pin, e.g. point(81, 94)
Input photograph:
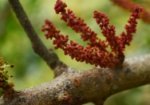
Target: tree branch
point(76, 88)
point(48, 55)
point(95, 85)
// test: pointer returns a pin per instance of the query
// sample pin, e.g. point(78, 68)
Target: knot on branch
point(105, 53)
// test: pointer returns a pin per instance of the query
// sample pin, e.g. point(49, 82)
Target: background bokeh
point(30, 70)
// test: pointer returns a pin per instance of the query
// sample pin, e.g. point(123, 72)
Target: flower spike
point(78, 25)
point(97, 51)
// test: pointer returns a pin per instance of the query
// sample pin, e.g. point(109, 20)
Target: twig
point(48, 55)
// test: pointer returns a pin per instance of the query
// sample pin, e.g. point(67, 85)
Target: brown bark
point(95, 85)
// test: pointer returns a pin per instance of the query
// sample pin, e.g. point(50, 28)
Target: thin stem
point(48, 55)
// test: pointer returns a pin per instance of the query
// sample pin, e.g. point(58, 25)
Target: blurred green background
point(30, 70)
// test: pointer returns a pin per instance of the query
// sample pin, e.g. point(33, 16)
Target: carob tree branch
point(76, 88)
point(95, 85)
point(130, 5)
point(48, 55)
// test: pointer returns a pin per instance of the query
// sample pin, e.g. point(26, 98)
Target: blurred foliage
point(5, 85)
point(144, 3)
point(30, 70)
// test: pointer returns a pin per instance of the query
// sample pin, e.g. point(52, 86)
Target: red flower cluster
point(78, 25)
point(130, 28)
point(97, 51)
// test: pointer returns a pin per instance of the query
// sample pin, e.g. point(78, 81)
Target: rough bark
point(95, 85)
